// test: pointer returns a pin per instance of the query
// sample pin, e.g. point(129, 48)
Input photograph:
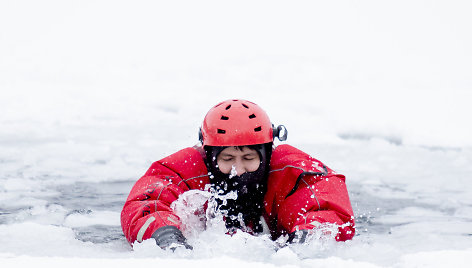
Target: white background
point(94, 91)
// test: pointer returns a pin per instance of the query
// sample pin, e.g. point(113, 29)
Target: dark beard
point(246, 209)
point(250, 188)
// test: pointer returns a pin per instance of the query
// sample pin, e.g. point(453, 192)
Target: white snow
point(92, 92)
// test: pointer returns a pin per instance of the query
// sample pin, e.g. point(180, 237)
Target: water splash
point(233, 173)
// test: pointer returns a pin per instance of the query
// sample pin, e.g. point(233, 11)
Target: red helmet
point(235, 123)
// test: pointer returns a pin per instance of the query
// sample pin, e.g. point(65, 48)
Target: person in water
point(281, 190)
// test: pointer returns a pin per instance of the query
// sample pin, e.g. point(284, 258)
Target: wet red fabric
point(302, 193)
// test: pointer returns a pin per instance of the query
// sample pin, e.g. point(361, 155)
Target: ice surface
point(92, 92)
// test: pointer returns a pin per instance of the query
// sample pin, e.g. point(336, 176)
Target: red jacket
point(301, 194)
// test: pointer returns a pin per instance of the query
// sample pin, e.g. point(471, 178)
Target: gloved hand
point(297, 237)
point(170, 237)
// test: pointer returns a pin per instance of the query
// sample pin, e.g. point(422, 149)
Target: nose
point(240, 168)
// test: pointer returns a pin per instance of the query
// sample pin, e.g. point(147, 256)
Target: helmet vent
point(221, 131)
point(257, 129)
point(224, 117)
point(245, 106)
point(252, 116)
point(227, 107)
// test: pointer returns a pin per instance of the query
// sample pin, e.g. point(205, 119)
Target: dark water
point(367, 208)
point(83, 198)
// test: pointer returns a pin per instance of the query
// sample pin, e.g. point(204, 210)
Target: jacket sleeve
point(147, 207)
point(305, 194)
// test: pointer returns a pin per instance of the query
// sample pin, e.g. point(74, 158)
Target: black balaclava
point(250, 188)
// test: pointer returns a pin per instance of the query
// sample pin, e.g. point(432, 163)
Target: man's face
point(244, 160)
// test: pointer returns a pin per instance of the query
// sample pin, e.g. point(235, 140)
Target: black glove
point(170, 237)
point(297, 237)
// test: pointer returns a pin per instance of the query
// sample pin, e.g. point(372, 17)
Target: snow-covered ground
point(92, 92)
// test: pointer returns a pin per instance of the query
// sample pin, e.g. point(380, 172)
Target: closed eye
point(249, 156)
